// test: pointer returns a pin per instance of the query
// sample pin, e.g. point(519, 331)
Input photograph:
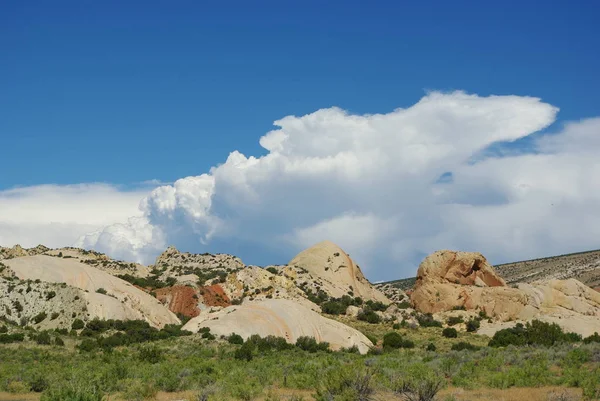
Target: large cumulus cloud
point(372, 184)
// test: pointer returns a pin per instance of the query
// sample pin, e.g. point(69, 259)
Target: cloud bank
point(57, 215)
point(388, 188)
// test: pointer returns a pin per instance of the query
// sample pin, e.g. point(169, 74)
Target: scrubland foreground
point(423, 363)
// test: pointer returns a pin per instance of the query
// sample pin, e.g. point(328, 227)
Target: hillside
point(583, 266)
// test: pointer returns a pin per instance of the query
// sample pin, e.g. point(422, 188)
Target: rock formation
point(107, 296)
point(281, 318)
point(327, 267)
point(448, 280)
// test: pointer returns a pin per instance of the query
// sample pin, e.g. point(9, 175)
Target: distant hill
point(583, 266)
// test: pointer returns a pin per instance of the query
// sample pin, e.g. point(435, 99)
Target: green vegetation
point(533, 333)
point(249, 370)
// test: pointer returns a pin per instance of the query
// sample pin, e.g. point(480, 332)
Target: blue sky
point(101, 102)
point(123, 92)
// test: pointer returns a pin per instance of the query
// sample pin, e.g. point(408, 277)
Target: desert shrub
point(396, 326)
point(151, 354)
point(39, 317)
point(452, 320)
point(450, 332)
point(369, 316)
point(427, 320)
point(348, 382)
point(464, 345)
point(50, 295)
point(87, 345)
point(594, 338)
point(392, 340)
point(591, 385)
point(310, 344)
point(77, 324)
point(11, 338)
point(431, 347)
point(72, 392)
point(376, 305)
point(54, 316)
point(372, 338)
point(403, 305)
point(138, 390)
point(3, 329)
point(38, 383)
point(333, 308)
point(235, 339)
point(43, 338)
point(473, 325)
point(59, 341)
point(245, 352)
point(395, 340)
point(17, 387)
point(101, 291)
point(272, 270)
point(534, 332)
point(419, 384)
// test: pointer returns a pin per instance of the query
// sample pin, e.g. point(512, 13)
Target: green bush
point(59, 341)
point(594, 338)
point(347, 383)
point(11, 338)
point(151, 354)
point(39, 317)
point(101, 291)
point(396, 326)
point(244, 353)
point(272, 270)
point(431, 347)
point(235, 339)
point(333, 308)
point(50, 295)
point(43, 338)
point(369, 316)
point(533, 333)
point(452, 320)
point(463, 345)
point(77, 324)
point(392, 340)
point(473, 325)
point(87, 345)
point(450, 332)
point(4, 329)
point(310, 344)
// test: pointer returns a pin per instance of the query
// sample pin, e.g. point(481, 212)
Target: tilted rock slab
point(282, 318)
point(123, 301)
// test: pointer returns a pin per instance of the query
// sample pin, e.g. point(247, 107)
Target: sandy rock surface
point(447, 280)
point(282, 318)
point(121, 301)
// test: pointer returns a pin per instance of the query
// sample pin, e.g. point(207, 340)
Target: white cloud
point(56, 215)
point(370, 183)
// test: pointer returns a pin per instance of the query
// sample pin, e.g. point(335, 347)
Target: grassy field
point(193, 368)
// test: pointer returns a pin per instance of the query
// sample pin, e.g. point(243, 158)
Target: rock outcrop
point(107, 296)
point(448, 280)
point(281, 318)
point(326, 267)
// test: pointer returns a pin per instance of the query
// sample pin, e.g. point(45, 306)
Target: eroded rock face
point(454, 267)
point(448, 280)
point(327, 267)
point(282, 318)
